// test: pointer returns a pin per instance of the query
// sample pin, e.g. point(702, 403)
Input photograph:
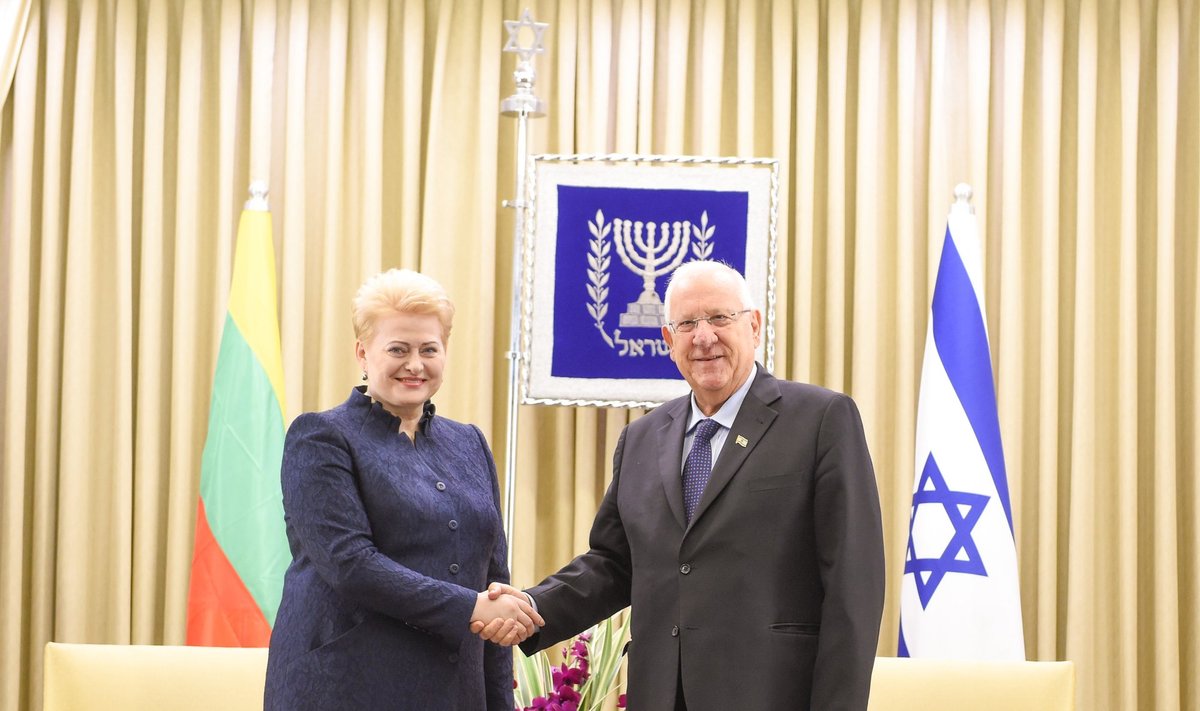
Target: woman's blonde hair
point(399, 291)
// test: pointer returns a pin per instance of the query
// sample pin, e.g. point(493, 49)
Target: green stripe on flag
point(239, 479)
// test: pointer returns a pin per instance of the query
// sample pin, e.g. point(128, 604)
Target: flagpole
point(522, 105)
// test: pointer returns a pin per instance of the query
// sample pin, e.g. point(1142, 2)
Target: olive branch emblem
point(599, 260)
point(702, 248)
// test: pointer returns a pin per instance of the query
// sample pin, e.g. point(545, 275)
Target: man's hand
point(503, 615)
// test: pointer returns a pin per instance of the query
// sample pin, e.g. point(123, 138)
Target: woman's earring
point(364, 375)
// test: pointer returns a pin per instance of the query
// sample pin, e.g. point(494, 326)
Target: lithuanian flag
point(241, 549)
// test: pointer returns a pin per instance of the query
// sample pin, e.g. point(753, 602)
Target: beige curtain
point(13, 16)
point(133, 127)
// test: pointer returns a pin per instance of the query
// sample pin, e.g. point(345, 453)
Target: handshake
point(504, 615)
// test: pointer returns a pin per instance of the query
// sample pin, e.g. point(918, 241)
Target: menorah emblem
point(650, 250)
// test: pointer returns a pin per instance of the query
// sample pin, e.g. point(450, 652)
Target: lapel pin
point(742, 441)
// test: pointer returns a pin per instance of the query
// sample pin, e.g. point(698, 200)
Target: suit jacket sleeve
point(323, 504)
point(849, 536)
point(594, 586)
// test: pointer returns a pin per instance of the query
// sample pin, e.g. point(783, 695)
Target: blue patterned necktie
point(698, 466)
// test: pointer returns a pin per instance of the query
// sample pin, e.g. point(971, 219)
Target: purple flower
point(580, 648)
point(569, 680)
point(572, 676)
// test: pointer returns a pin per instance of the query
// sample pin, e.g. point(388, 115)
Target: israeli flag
point(959, 596)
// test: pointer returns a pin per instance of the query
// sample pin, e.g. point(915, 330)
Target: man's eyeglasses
point(717, 321)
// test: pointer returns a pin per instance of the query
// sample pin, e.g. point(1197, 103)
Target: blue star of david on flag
point(963, 509)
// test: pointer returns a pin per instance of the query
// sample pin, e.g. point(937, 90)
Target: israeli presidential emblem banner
point(604, 233)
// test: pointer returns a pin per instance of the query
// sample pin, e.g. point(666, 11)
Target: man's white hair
point(699, 269)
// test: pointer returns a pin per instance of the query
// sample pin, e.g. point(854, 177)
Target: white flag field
point(960, 596)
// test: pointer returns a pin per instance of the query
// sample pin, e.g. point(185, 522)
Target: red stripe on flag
point(221, 611)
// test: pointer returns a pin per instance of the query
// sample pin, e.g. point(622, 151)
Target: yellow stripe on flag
point(252, 304)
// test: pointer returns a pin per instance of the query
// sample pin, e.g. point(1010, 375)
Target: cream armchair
point(111, 677)
point(956, 685)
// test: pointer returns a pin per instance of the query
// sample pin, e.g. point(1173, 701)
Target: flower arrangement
point(586, 677)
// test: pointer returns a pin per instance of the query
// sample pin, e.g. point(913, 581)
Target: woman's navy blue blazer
point(391, 540)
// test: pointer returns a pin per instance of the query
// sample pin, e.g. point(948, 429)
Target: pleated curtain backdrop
point(132, 129)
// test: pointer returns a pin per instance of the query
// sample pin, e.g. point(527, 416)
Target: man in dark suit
point(758, 585)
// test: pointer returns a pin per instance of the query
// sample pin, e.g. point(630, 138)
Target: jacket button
point(675, 631)
point(454, 567)
point(453, 525)
point(453, 658)
point(685, 568)
point(441, 486)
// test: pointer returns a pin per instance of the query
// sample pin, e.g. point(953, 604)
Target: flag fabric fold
point(241, 549)
point(960, 596)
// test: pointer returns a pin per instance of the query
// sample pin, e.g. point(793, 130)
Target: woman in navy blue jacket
point(393, 519)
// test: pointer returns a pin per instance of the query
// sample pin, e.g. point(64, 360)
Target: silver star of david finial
point(514, 27)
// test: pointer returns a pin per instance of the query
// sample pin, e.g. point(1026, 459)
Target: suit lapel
point(670, 455)
point(751, 423)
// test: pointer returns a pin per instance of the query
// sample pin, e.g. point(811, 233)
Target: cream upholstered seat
point(103, 677)
point(957, 685)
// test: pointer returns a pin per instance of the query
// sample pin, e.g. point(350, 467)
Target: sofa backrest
point(104, 677)
point(901, 684)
